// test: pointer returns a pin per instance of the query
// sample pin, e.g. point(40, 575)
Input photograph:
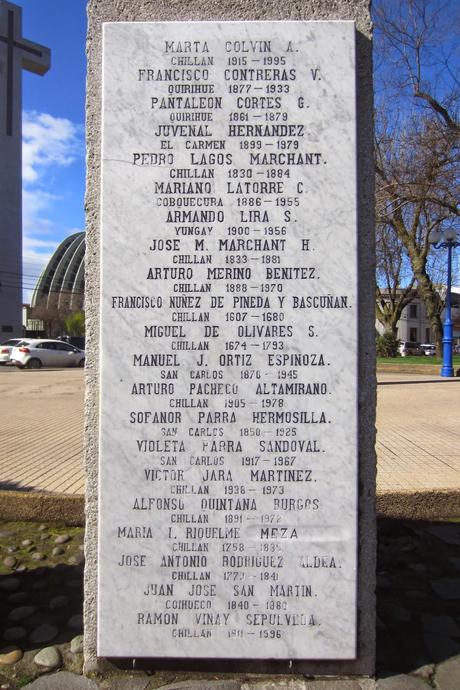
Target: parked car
point(33, 354)
point(75, 340)
point(428, 349)
point(6, 348)
point(407, 348)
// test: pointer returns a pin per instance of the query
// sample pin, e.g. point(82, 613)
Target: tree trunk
point(433, 305)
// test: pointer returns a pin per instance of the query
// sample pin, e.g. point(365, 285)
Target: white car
point(6, 348)
point(428, 349)
point(35, 354)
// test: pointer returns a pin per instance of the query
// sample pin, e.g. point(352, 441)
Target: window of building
point(427, 335)
point(412, 311)
point(413, 333)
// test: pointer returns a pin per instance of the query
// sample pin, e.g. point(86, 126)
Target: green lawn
point(422, 359)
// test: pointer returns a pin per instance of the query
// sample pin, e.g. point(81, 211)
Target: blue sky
point(53, 131)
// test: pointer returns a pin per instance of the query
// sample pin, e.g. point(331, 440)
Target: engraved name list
point(228, 451)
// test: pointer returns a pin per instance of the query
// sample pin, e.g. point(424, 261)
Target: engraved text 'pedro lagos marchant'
point(228, 465)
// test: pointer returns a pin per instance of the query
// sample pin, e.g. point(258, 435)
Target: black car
point(75, 340)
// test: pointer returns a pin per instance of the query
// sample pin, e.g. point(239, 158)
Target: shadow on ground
point(418, 594)
point(15, 486)
point(50, 599)
point(41, 584)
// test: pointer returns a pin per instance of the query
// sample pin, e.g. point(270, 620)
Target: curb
point(42, 507)
point(430, 504)
point(430, 369)
point(70, 509)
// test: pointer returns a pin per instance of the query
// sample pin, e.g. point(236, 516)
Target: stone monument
point(16, 54)
point(234, 363)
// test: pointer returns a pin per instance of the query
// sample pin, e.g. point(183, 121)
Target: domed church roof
point(62, 282)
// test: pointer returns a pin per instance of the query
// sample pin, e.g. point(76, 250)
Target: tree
point(74, 324)
point(395, 281)
point(417, 133)
point(53, 319)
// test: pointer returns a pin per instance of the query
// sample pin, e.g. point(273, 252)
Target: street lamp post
point(446, 240)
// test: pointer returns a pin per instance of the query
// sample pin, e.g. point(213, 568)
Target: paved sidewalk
point(41, 437)
point(418, 433)
point(418, 441)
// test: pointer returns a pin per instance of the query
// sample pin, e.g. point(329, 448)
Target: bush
point(387, 345)
point(74, 324)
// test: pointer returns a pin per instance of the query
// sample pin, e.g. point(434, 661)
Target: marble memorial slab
point(228, 437)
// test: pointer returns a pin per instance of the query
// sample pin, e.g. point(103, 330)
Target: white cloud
point(48, 144)
point(47, 141)
point(39, 244)
point(35, 256)
point(36, 206)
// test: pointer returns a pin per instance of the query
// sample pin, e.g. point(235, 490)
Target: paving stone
point(399, 614)
point(445, 626)
point(58, 602)
point(75, 622)
point(5, 534)
point(212, 685)
point(10, 561)
point(76, 644)
point(39, 586)
point(27, 542)
point(17, 597)
point(439, 647)
point(402, 682)
point(41, 528)
point(44, 633)
point(383, 582)
point(446, 588)
point(282, 685)
point(57, 551)
point(62, 539)
point(10, 584)
point(448, 674)
point(20, 612)
point(128, 682)
point(62, 568)
point(21, 568)
point(418, 568)
point(415, 594)
point(49, 657)
point(14, 633)
point(450, 534)
point(380, 624)
point(63, 681)
point(425, 671)
point(10, 658)
point(405, 544)
point(38, 556)
point(11, 549)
